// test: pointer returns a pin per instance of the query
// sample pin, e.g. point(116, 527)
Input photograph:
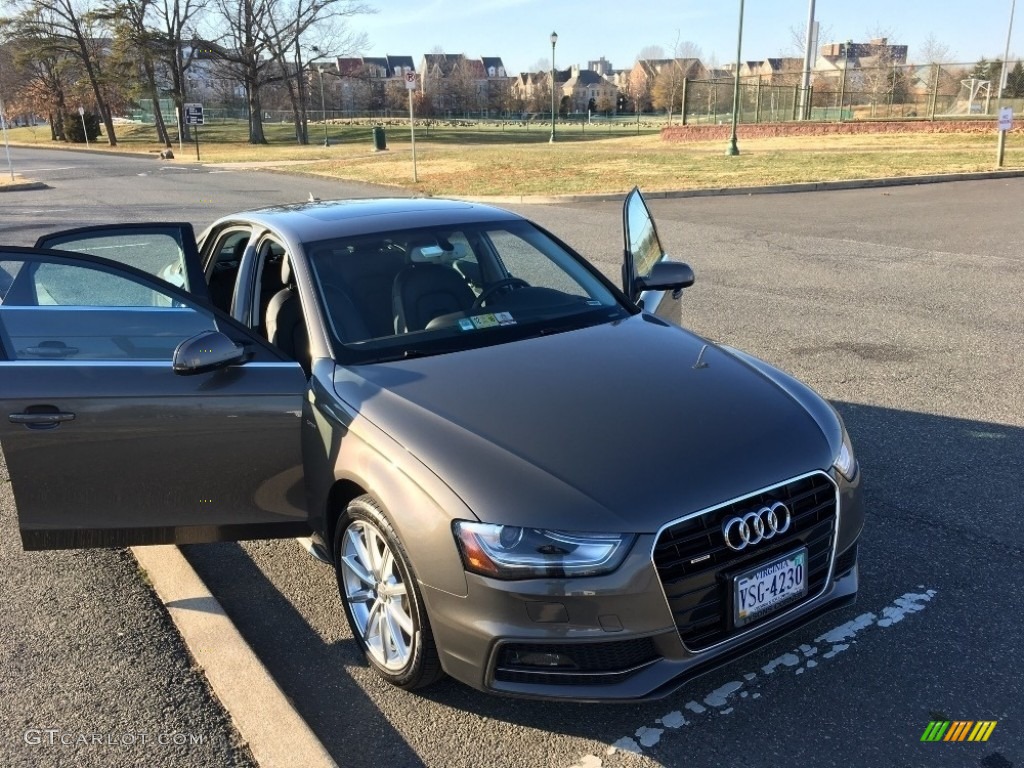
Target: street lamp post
point(842, 83)
point(323, 105)
point(733, 150)
point(554, 39)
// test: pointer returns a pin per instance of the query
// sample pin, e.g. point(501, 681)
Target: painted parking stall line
point(804, 658)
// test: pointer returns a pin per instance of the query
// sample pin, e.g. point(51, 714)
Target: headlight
point(845, 461)
point(511, 552)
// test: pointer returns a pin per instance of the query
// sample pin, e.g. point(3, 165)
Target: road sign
point(410, 81)
point(1006, 119)
point(193, 114)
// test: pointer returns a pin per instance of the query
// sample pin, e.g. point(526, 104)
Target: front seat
point(286, 327)
point(422, 292)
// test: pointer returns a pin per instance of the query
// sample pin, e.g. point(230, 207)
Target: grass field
point(515, 160)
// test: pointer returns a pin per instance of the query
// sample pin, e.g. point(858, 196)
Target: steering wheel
point(493, 288)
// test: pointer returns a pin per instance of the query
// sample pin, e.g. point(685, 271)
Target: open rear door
point(107, 444)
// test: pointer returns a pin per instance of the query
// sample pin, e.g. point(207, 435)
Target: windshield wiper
point(404, 354)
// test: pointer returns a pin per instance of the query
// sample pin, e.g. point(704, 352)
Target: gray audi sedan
point(524, 476)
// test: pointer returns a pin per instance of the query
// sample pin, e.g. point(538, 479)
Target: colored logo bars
point(959, 730)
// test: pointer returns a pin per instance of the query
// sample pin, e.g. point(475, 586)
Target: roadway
point(900, 305)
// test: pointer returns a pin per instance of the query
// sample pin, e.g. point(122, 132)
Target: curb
point(266, 720)
point(809, 186)
point(21, 186)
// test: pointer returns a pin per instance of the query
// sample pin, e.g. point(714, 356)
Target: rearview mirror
point(666, 276)
point(205, 352)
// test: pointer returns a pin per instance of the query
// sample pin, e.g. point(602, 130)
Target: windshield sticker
point(484, 321)
point(504, 318)
point(466, 324)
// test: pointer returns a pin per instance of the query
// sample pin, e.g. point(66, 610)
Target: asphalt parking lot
point(901, 306)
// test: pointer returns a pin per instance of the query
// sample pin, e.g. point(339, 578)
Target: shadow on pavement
point(934, 485)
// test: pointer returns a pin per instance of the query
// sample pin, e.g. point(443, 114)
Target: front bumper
point(614, 637)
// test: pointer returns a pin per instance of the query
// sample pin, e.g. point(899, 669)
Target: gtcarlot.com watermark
point(55, 737)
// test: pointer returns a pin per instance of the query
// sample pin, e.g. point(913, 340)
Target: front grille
point(696, 567)
point(580, 663)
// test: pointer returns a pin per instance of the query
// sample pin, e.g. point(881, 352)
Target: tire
point(382, 601)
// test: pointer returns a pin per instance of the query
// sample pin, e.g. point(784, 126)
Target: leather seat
point(286, 326)
point(347, 320)
point(422, 292)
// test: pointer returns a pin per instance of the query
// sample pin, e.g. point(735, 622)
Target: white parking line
point(723, 700)
point(43, 170)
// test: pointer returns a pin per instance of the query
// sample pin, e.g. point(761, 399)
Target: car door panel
point(106, 446)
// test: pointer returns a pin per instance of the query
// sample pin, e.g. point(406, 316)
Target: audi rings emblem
point(755, 527)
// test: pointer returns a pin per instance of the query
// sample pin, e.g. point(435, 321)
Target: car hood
point(616, 427)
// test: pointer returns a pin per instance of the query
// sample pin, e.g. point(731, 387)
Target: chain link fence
point(893, 92)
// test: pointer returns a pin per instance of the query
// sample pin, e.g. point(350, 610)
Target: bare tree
point(177, 21)
point(651, 52)
point(136, 49)
point(934, 52)
point(638, 88)
point(798, 39)
point(244, 51)
point(39, 83)
point(62, 26)
point(287, 25)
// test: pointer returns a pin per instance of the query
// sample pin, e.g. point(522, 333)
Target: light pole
point(1001, 151)
point(805, 80)
point(842, 83)
point(554, 39)
point(733, 150)
point(323, 104)
point(1006, 56)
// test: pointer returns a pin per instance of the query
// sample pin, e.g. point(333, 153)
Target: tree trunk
point(293, 99)
point(90, 69)
point(300, 80)
point(252, 92)
point(178, 86)
point(154, 92)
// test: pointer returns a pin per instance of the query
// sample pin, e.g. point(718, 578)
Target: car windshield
point(435, 290)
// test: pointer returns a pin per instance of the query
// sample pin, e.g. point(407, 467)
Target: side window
point(69, 286)
point(158, 252)
point(222, 268)
point(527, 262)
point(52, 309)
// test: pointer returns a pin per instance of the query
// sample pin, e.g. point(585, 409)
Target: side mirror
point(666, 276)
point(205, 352)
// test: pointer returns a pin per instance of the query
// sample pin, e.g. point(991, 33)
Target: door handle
point(43, 420)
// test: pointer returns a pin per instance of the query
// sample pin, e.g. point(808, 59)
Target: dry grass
point(6, 180)
point(514, 161)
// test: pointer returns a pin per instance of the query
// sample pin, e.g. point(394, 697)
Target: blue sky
point(519, 30)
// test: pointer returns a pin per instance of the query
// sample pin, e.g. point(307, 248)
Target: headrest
point(286, 270)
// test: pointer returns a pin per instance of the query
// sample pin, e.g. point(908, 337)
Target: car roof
point(321, 220)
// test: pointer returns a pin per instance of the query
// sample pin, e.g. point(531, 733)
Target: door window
point(167, 251)
point(56, 309)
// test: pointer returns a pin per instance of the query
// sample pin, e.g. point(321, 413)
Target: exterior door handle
point(51, 349)
point(43, 420)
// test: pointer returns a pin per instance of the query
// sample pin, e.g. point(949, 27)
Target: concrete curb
point(276, 734)
point(810, 186)
point(21, 186)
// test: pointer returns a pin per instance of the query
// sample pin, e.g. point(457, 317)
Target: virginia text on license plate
point(769, 586)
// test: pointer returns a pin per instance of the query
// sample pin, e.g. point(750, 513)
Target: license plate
point(769, 586)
